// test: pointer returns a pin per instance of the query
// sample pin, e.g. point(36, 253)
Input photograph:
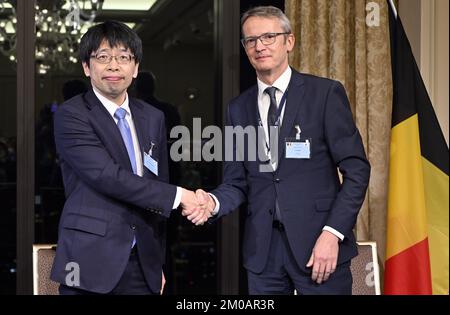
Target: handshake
point(197, 206)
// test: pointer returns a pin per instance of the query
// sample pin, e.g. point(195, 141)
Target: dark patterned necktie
point(273, 108)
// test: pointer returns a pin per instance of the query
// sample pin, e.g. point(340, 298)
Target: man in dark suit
point(298, 231)
point(114, 163)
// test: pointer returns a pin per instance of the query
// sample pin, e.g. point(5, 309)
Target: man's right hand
point(188, 201)
point(207, 203)
point(191, 207)
point(197, 207)
point(205, 200)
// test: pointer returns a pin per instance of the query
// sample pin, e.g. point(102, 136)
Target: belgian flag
point(417, 260)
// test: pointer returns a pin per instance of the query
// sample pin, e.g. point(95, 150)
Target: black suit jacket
point(106, 204)
point(309, 192)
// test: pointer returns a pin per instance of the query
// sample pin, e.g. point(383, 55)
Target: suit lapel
point(252, 107)
point(112, 138)
point(146, 131)
point(140, 123)
point(294, 100)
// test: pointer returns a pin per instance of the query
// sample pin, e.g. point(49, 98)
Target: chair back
point(43, 256)
point(365, 270)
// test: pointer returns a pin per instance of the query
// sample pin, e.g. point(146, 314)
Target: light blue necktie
point(126, 135)
point(128, 140)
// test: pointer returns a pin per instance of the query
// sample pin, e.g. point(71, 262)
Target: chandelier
point(59, 28)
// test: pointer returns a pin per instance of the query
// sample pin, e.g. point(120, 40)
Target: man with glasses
point(114, 163)
point(298, 230)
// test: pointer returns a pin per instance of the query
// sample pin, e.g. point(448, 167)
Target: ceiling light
point(128, 5)
point(133, 5)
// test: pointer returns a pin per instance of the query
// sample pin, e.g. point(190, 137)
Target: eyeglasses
point(266, 39)
point(104, 58)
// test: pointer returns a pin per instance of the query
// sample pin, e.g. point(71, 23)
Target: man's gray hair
point(267, 12)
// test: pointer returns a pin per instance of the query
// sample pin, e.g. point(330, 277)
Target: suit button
point(277, 180)
point(249, 213)
point(271, 212)
point(133, 226)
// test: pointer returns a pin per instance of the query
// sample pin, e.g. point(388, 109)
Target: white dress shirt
point(282, 84)
point(112, 107)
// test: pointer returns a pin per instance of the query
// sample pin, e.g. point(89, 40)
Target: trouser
point(281, 275)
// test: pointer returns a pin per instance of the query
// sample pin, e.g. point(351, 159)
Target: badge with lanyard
point(150, 163)
point(278, 121)
point(296, 148)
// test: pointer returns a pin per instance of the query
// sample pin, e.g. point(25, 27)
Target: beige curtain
point(333, 40)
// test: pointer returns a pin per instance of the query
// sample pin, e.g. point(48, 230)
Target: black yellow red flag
point(417, 244)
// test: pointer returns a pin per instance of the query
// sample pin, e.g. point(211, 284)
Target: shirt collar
point(282, 83)
point(110, 106)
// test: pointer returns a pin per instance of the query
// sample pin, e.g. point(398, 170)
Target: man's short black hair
point(116, 34)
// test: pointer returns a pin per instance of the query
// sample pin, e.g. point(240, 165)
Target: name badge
point(150, 163)
point(297, 149)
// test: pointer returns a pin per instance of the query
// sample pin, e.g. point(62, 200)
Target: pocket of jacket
point(85, 224)
point(324, 205)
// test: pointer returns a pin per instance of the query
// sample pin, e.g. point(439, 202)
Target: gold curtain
point(333, 40)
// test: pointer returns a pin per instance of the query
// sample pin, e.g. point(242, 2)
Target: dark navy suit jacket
point(106, 204)
point(309, 192)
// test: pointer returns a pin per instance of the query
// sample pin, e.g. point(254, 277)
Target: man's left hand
point(324, 257)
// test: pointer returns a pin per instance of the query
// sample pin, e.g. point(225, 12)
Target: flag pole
point(394, 9)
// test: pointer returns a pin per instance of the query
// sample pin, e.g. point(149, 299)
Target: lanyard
point(280, 110)
point(278, 121)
